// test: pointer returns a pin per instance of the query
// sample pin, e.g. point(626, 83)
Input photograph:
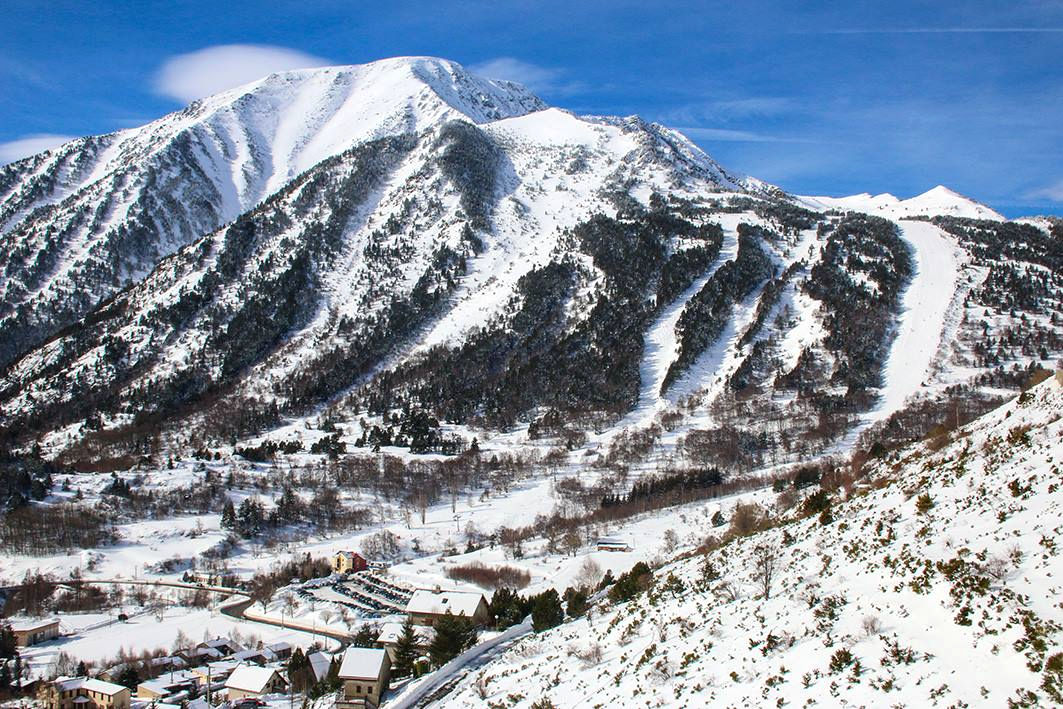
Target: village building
point(364, 673)
point(215, 672)
point(199, 655)
point(391, 632)
point(256, 657)
point(167, 663)
point(226, 646)
point(320, 663)
point(84, 693)
point(426, 607)
point(250, 681)
point(171, 686)
point(281, 650)
point(613, 544)
point(32, 632)
point(349, 562)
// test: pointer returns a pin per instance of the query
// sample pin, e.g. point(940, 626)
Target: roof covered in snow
point(250, 679)
point(30, 624)
point(439, 602)
point(362, 663)
point(66, 684)
point(391, 632)
point(320, 663)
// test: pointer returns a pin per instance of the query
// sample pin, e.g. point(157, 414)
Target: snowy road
point(459, 665)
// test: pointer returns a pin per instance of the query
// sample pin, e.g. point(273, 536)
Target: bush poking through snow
point(492, 577)
point(924, 503)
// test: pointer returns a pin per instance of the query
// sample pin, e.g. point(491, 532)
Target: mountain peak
point(937, 201)
point(396, 80)
point(941, 200)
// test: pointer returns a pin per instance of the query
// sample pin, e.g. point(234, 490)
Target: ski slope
point(925, 306)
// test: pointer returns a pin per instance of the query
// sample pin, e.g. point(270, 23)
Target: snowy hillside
point(929, 577)
point(79, 222)
point(405, 259)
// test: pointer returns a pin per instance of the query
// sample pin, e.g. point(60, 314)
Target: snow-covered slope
point(80, 221)
point(390, 245)
point(362, 241)
point(933, 580)
point(939, 201)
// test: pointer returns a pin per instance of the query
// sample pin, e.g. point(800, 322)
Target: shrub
point(816, 503)
point(840, 660)
point(746, 519)
point(492, 577)
point(924, 503)
point(632, 583)
point(576, 602)
point(1053, 678)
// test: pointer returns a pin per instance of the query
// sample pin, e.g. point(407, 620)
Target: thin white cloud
point(752, 106)
point(534, 77)
point(736, 136)
point(30, 145)
point(1053, 192)
point(943, 30)
point(726, 111)
point(187, 77)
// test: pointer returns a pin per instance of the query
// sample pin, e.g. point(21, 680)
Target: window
point(357, 689)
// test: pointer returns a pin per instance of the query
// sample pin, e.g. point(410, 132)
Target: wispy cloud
point(1053, 192)
point(187, 77)
point(538, 78)
point(728, 110)
point(938, 30)
point(30, 145)
point(736, 136)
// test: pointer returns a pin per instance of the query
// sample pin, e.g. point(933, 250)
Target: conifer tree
point(405, 650)
point(228, 516)
point(128, 677)
point(454, 635)
point(249, 518)
point(299, 671)
point(546, 611)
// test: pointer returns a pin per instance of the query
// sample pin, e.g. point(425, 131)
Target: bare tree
point(765, 560)
point(262, 591)
point(570, 543)
point(671, 541)
point(589, 573)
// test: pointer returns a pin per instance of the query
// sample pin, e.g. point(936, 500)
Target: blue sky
point(832, 98)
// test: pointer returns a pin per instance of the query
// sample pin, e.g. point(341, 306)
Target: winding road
point(425, 693)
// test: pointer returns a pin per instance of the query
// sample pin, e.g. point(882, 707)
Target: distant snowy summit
point(937, 202)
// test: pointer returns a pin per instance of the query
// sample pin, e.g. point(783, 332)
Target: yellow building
point(85, 693)
point(31, 632)
point(348, 562)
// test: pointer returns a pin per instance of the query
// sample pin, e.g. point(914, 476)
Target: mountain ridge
point(593, 255)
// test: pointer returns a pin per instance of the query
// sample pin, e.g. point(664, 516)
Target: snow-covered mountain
point(363, 243)
point(79, 222)
point(939, 201)
point(927, 578)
